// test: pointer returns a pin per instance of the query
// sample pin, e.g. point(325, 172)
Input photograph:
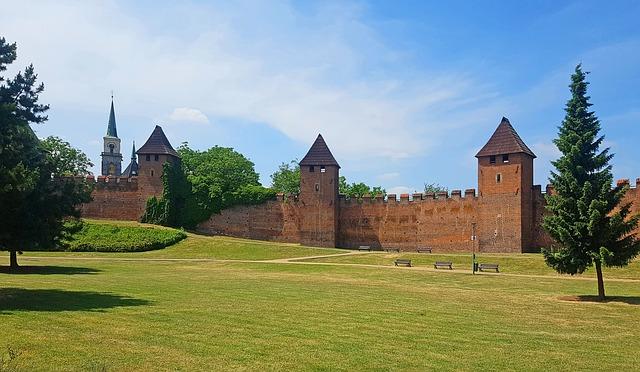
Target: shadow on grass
point(630, 300)
point(48, 270)
point(22, 299)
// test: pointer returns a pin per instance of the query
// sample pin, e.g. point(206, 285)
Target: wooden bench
point(488, 266)
point(424, 250)
point(392, 249)
point(402, 261)
point(440, 264)
point(364, 248)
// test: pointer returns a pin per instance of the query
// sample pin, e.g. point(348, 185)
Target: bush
point(106, 237)
point(249, 195)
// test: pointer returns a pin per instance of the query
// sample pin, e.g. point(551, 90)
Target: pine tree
point(34, 198)
point(586, 217)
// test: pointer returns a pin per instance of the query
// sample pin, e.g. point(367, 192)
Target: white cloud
point(190, 115)
point(243, 62)
point(388, 176)
point(400, 190)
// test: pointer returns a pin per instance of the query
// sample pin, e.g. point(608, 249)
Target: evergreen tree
point(586, 217)
point(34, 198)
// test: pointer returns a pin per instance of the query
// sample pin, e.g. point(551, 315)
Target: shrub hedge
point(105, 237)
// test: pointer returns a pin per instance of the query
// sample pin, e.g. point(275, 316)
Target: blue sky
point(404, 92)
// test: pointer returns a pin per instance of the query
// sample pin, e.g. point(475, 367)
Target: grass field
point(109, 236)
point(93, 311)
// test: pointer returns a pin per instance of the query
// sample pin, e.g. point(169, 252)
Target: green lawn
point(528, 264)
point(69, 314)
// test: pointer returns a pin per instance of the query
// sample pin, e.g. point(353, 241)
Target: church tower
point(319, 172)
point(505, 188)
point(111, 156)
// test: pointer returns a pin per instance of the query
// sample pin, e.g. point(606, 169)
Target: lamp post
point(473, 248)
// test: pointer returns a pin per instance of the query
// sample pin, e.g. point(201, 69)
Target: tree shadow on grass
point(630, 300)
point(22, 299)
point(48, 270)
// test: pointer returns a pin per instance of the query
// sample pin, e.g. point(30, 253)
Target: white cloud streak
point(327, 77)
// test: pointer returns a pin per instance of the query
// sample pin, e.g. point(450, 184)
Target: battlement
point(114, 183)
point(443, 196)
point(537, 189)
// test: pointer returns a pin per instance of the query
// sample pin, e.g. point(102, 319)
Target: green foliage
point(105, 237)
point(220, 178)
point(35, 199)
point(287, 178)
point(358, 190)
point(178, 206)
point(67, 160)
point(249, 195)
point(587, 218)
point(434, 188)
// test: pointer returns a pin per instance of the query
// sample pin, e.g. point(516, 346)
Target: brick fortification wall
point(275, 220)
point(443, 223)
point(120, 198)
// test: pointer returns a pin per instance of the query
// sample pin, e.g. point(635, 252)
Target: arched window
point(111, 146)
point(112, 169)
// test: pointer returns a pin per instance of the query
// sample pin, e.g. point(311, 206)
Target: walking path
point(303, 261)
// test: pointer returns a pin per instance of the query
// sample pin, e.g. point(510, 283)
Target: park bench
point(402, 261)
point(488, 266)
point(440, 264)
point(391, 249)
point(364, 248)
point(424, 250)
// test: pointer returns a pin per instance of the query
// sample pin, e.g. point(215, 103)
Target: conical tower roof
point(319, 154)
point(132, 168)
point(111, 128)
point(157, 144)
point(505, 140)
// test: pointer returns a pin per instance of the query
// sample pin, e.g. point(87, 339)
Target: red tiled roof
point(505, 140)
point(319, 154)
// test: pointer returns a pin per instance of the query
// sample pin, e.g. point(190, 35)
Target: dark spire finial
point(133, 151)
point(111, 128)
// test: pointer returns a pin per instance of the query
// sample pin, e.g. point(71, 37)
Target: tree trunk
point(13, 260)
point(601, 296)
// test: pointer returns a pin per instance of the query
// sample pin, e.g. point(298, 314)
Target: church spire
point(111, 129)
point(133, 151)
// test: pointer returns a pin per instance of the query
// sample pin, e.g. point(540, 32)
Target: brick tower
point(151, 157)
point(111, 156)
point(505, 189)
point(319, 172)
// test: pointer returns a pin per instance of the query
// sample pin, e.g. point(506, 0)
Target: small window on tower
point(312, 169)
point(317, 187)
point(322, 169)
point(152, 173)
point(505, 158)
point(156, 157)
point(492, 159)
point(498, 178)
point(148, 157)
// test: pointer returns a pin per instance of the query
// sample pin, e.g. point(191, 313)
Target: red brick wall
point(444, 224)
point(116, 198)
point(275, 220)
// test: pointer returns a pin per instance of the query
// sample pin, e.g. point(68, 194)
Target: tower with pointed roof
point(319, 173)
point(152, 156)
point(505, 183)
point(111, 156)
point(132, 168)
